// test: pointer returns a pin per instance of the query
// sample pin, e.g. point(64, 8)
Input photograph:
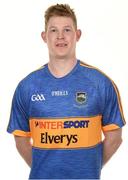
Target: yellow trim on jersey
point(114, 85)
point(110, 127)
point(21, 133)
point(39, 68)
point(71, 117)
point(66, 133)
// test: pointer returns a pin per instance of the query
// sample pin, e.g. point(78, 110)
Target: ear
point(43, 35)
point(78, 34)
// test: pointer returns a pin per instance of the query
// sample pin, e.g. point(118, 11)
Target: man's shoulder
point(34, 74)
point(94, 74)
point(33, 77)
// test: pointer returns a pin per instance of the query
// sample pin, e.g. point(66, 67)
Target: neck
point(61, 67)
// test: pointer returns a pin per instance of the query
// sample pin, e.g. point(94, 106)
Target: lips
point(61, 44)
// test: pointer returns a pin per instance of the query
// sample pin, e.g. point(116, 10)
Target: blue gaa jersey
point(65, 118)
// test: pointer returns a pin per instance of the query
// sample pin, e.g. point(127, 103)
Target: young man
point(64, 107)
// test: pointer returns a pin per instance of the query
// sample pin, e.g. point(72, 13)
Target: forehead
point(59, 21)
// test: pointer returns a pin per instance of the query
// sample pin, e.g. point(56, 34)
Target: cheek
point(49, 37)
point(51, 45)
point(72, 37)
point(73, 40)
point(50, 41)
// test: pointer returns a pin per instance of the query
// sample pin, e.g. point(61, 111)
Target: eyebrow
point(68, 26)
point(52, 27)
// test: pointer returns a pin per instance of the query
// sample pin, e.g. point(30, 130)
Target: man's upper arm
point(21, 140)
point(113, 135)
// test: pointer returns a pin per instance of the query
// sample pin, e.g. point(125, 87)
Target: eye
point(67, 30)
point(53, 30)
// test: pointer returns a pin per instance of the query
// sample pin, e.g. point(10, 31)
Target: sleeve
point(19, 118)
point(112, 116)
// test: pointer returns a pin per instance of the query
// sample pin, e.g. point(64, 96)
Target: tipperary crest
point(81, 97)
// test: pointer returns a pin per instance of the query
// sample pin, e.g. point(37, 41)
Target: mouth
point(61, 44)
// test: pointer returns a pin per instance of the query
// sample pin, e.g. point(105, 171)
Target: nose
point(60, 35)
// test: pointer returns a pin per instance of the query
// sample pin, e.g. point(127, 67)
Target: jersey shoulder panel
point(34, 74)
point(95, 75)
point(32, 78)
point(106, 86)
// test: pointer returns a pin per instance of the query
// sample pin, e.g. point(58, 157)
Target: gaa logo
point(37, 97)
point(81, 97)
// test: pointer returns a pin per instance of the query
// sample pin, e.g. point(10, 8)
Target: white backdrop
point(104, 44)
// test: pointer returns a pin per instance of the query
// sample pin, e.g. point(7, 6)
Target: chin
point(62, 55)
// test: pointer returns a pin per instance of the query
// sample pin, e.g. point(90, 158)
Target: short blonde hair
point(60, 10)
